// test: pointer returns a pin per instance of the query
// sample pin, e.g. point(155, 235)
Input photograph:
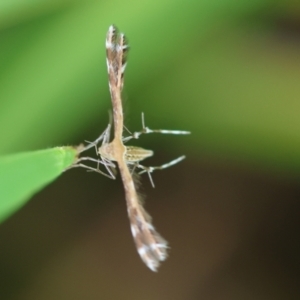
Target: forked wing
point(116, 54)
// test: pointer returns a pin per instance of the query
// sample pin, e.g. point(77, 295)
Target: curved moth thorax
point(107, 151)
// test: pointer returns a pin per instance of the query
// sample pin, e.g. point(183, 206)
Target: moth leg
point(106, 163)
point(150, 169)
point(146, 130)
point(104, 136)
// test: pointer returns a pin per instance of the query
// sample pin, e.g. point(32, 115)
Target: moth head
point(107, 151)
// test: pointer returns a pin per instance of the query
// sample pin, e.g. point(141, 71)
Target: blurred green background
point(229, 72)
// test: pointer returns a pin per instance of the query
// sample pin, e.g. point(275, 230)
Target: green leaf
point(23, 174)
